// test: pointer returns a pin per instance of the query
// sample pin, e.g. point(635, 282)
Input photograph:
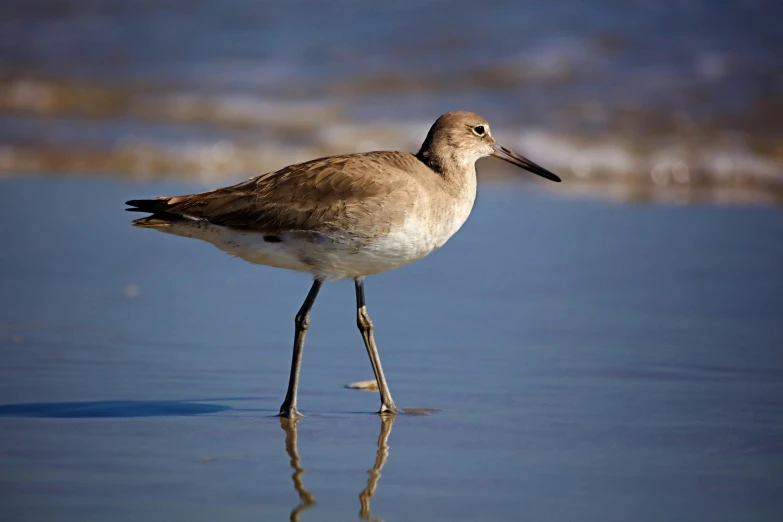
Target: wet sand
point(587, 360)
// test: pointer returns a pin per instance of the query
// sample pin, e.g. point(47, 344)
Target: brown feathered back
point(325, 195)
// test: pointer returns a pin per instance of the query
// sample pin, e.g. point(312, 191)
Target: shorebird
point(343, 217)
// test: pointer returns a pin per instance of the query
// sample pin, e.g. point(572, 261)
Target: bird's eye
point(479, 130)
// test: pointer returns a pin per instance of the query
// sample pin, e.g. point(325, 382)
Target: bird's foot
point(389, 409)
point(289, 411)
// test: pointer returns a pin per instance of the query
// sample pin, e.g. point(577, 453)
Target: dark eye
point(479, 130)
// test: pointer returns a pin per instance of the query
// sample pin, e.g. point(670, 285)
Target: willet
point(343, 216)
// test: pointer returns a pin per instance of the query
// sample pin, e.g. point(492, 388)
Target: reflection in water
point(375, 472)
point(307, 499)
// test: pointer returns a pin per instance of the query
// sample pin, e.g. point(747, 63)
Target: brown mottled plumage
point(343, 216)
point(326, 195)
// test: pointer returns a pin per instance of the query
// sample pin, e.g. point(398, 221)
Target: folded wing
point(322, 195)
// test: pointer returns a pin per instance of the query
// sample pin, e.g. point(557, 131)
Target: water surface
point(588, 361)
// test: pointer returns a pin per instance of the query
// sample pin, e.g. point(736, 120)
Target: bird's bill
point(521, 161)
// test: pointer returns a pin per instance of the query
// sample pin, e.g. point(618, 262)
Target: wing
point(323, 195)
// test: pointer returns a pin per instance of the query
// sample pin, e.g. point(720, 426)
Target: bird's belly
point(399, 247)
point(331, 258)
point(245, 244)
point(412, 240)
point(326, 257)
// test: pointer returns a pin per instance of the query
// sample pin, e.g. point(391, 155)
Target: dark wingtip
point(145, 205)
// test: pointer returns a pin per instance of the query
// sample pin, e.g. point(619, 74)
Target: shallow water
point(587, 361)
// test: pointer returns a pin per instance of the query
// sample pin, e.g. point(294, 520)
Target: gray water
point(585, 360)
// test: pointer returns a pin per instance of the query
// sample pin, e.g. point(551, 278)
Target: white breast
point(435, 218)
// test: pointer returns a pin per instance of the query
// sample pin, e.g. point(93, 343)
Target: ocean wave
point(67, 127)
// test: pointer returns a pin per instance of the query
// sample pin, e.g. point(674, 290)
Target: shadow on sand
point(108, 409)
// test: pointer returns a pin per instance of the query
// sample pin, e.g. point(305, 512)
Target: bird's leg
point(288, 409)
point(366, 328)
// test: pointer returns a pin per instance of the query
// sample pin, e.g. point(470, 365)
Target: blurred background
point(607, 348)
point(638, 99)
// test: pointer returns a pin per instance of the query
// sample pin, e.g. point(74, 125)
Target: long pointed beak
point(521, 161)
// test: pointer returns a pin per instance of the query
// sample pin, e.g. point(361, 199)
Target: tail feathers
point(161, 210)
point(148, 205)
point(157, 207)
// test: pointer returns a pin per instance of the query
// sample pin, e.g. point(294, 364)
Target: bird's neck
point(456, 173)
point(453, 165)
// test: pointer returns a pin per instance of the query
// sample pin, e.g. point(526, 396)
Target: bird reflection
point(307, 499)
point(375, 471)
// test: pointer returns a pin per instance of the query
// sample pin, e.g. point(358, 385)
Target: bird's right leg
point(288, 409)
point(366, 329)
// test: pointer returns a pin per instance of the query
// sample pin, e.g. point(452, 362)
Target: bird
point(344, 216)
